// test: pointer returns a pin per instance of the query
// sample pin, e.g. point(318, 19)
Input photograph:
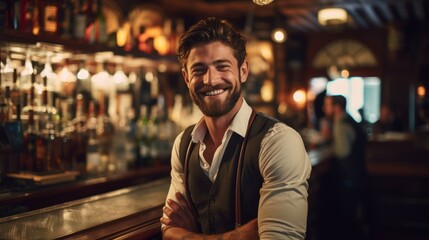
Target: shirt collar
point(238, 124)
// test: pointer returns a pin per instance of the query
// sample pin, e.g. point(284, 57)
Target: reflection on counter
point(77, 217)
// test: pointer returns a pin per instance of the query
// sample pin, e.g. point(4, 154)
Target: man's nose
point(210, 76)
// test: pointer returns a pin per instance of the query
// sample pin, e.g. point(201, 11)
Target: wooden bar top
point(17, 199)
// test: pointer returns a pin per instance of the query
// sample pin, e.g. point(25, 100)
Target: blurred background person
point(389, 121)
point(349, 171)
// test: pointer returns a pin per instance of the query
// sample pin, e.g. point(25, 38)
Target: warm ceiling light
point(332, 16)
point(263, 2)
point(279, 35)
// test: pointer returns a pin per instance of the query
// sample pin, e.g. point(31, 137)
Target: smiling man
point(236, 174)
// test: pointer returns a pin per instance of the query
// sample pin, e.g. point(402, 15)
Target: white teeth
point(214, 92)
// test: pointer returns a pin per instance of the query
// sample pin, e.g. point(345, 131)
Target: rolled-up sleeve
point(177, 180)
point(285, 168)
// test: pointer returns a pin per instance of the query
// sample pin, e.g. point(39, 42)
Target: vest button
point(212, 218)
point(212, 200)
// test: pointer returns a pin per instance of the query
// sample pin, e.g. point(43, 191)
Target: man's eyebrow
point(221, 61)
point(216, 62)
point(198, 64)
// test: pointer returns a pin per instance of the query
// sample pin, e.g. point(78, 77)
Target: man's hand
point(248, 231)
point(179, 214)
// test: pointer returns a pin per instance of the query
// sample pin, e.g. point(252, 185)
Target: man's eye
point(199, 71)
point(222, 67)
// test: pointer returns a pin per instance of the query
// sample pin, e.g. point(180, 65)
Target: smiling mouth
point(214, 92)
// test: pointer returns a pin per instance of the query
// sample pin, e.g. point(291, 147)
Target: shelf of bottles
point(68, 105)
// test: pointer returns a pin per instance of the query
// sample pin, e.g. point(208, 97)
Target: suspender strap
point(186, 173)
point(239, 170)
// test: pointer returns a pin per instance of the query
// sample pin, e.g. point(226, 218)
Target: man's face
point(213, 78)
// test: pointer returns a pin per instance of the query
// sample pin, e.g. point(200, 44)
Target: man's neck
point(217, 126)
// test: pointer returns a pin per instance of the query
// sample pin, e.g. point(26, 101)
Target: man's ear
point(244, 71)
point(185, 76)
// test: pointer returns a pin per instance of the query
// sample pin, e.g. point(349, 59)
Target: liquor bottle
point(79, 21)
point(130, 152)
point(90, 23)
point(14, 9)
point(66, 16)
point(143, 137)
point(66, 135)
point(100, 24)
point(5, 147)
point(9, 106)
point(92, 151)
point(26, 14)
point(4, 111)
point(11, 125)
point(15, 95)
point(45, 142)
point(48, 144)
point(28, 159)
point(43, 109)
point(80, 137)
point(105, 132)
point(37, 21)
point(51, 17)
point(166, 130)
point(57, 126)
point(153, 134)
point(30, 97)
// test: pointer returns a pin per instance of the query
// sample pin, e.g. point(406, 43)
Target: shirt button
point(212, 200)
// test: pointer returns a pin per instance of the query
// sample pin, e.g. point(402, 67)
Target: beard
point(216, 108)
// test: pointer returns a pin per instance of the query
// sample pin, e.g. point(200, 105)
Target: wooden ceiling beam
point(372, 15)
point(360, 22)
point(418, 8)
point(402, 10)
point(386, 11)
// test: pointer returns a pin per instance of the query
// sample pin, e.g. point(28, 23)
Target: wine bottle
point(100, 24)
point(51, 17)
point(105, 132)
point(90, 23)
point(92, 151)
point(26, 15)
point(79, 21)
point(80, 137)
point(28, 159)
point(143, 137)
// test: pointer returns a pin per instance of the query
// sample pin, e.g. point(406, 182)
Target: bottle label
point(92, 156)
point(51, 15)
point(79, 26)
point(144, 150)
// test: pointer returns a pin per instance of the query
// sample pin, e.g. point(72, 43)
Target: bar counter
point(130, 212)
point(109, 215)
point(19, 198)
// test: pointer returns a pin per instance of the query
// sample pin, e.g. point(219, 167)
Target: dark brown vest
point(215, 202)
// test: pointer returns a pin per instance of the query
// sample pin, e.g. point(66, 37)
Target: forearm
point(249, 231)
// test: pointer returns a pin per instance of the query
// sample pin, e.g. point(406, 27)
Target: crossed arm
point(181, 224)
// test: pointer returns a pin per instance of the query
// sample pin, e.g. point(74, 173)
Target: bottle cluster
point(44, 131)
point(78, 19)
point(93, 22)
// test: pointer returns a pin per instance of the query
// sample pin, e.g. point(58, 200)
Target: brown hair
point(339, 100)
point(209, 30)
